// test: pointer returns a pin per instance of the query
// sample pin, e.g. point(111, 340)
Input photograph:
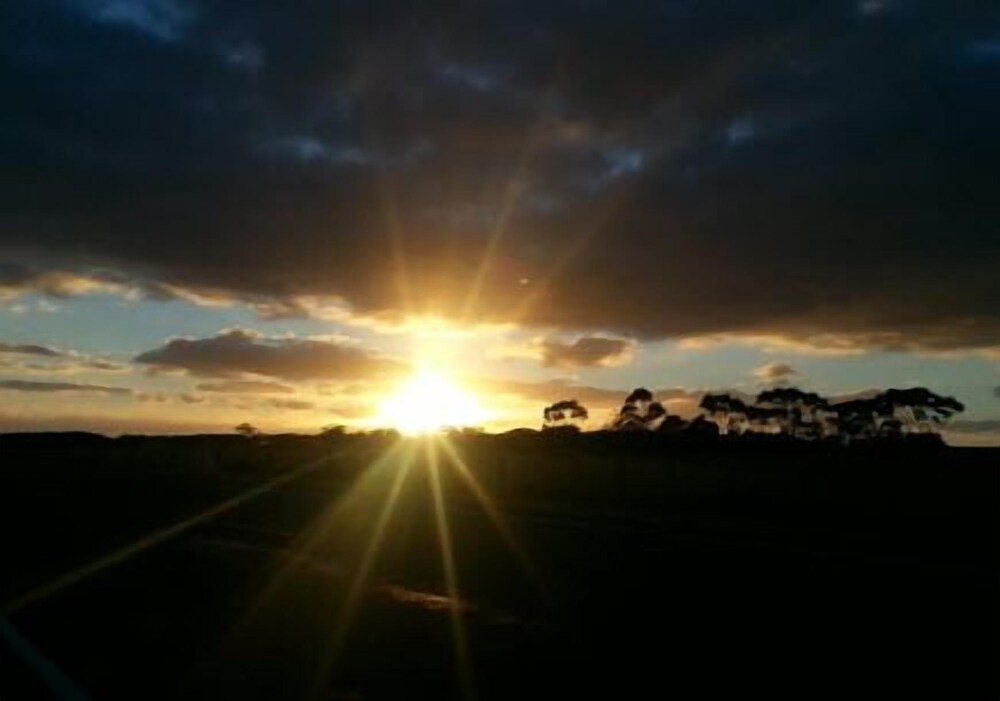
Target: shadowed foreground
point(221, 567)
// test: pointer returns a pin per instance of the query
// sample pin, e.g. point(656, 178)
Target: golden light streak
point(573, 249)
point(510, 197)
point(465, 677)
point(395, 245)
point(118, 556)
point(709, 87)
point(486, 502)
point(322, 525)
point(360, 579)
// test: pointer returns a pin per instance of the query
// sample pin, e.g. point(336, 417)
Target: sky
point(216, 212)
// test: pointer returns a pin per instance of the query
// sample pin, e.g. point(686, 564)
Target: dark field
point(645, 568)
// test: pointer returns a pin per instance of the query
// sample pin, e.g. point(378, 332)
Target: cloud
point(612, 179)
point(289, 404)
point(23, 277)
point(29, 386)
point(42, 360)
point(940, 340)
point(774, 371)
point(246, 386)
point(162, 19)
point(586, 351)
point(234, 353)
point(996, 392)
point(104, 366)
point(69, 366)
point(30, 349)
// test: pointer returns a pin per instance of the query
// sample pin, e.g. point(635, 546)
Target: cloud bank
point(802, 171)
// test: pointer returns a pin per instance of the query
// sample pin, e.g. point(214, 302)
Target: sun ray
point(360, 579)
point(574, 249)
point(488, 505)
point(321, 527)
point(510, 197)
point(136, 547)
point(464, 666)
point(400, 272)
point(708, 88)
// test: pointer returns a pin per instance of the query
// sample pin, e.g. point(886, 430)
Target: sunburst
point(429, 401)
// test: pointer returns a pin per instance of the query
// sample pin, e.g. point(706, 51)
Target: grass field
point(495, 567)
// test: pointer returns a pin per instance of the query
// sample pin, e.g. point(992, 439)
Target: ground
point(221, 567)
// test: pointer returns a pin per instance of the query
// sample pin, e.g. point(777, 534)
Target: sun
point(428, 402)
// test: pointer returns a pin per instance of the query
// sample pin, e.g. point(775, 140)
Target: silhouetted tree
point(857, 418)
point(725, 410)
point(247, 430)
point(893, 411)
point(918, 408)
point(639, 413)
point(641, 398)
point(672, 424)
point(629, 418)
point(568, 412)
point(800, 409)
point(334, 431)
point(764, 419)
point(655, 414)
point(702, 429)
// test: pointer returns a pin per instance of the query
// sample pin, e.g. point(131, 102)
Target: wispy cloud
point(31, 386)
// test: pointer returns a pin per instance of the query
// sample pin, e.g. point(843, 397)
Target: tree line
point(787, 411)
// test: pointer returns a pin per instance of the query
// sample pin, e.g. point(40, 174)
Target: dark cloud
point(996, 392)
point(246, 386)
point(30, 349)
point(587, 351)
point(29, 386)
point(774, 371)
point(810, 170)
point(237, 352)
